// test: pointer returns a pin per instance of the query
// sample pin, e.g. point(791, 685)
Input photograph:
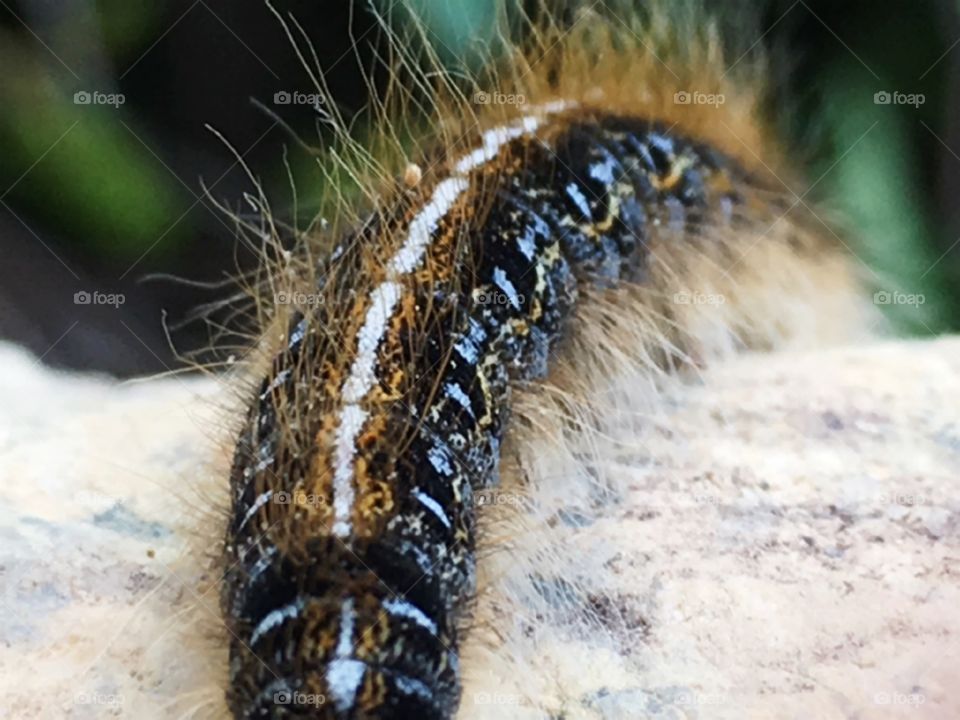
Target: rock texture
point(787, 545)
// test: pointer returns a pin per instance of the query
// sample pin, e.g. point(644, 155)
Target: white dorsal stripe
point(495, 139)
point(382, 302)
point(352, 418)
point(344, 673)
point(345, 641)
point(343, 680)
point(384, 298)
point(425, 224)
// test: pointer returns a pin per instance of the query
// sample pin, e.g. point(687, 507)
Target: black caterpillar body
point(343, 597)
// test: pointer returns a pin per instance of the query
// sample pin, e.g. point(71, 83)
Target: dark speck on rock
point(832, 420)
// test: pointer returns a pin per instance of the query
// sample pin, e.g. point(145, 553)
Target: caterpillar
point(379, 423)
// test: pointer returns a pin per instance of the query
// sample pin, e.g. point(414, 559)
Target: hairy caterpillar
point(351, 539)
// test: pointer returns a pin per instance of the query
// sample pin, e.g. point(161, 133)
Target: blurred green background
point(105, 150)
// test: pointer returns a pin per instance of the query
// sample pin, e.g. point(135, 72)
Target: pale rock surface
point(787, 546)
